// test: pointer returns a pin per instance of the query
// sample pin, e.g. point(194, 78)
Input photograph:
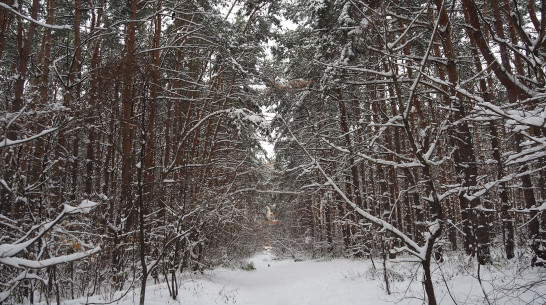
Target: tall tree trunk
point(24, 42)
point(436, 215)
point(465, 159)
point(142, 210)
point(46, 56)
point(69, 96)
point(513, 96)
point(149, 159)
point(505, 205)
point(128, 62)
point(343, 121)
point(91, 177)
point(16, 165)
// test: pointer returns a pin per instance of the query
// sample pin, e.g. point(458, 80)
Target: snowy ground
point(337, 281)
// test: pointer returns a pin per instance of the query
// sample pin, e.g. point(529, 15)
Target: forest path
point(285, 282)
point(311, 282)
point(274, 282)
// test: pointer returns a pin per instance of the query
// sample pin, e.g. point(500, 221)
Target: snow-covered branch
point(7, 142)
point(10, 250)
point(45, 25)
point(18, 262)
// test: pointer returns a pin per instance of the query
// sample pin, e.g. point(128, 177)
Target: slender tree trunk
point(92, 177)
point(46, 56)
point(16, 164)
point(513, 96)
point(129, 62)
point(142, 211)
point(343, 121)
point(24, 42)
point(436, 214)
point(507, 221)
point(149, 159)
point(328, 219)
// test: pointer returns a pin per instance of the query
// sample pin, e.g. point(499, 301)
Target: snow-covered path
point(308, 282)
point(274, 282)
point(312, 282)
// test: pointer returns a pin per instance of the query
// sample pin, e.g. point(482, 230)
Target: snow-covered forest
point(407, 135)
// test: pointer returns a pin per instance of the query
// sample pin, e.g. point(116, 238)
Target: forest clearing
point(393, 150)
